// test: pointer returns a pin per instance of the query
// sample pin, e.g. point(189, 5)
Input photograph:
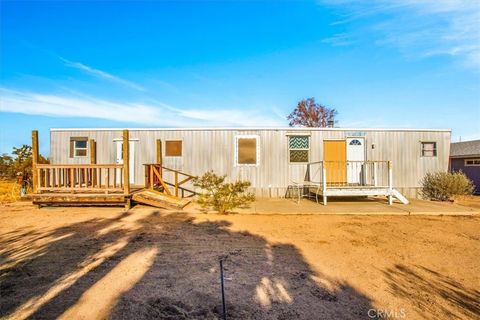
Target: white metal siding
point(213, 149)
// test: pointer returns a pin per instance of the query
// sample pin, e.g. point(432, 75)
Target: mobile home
point(272, 159)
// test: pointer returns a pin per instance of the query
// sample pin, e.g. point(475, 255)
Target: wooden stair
point(160, 200)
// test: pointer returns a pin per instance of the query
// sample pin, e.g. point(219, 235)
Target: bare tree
point(311, 114)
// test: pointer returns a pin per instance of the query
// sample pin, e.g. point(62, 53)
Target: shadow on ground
point(158, 265)
point(434, 295)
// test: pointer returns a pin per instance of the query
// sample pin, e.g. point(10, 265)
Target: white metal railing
point(352, 174)
point(349, 178)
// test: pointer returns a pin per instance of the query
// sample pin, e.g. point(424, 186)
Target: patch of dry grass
point(9, 191)
point(469, 201)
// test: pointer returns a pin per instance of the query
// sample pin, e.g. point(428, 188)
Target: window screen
point(173, 148)
point(78, 147)
point(429, 149)
point(299, 147)
point(247, 151)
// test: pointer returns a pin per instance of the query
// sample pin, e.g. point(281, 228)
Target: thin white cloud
point(155, 114)
point(339, 40)
point(419, 28)
point(101, 74)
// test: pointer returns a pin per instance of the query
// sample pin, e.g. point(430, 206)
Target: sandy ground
point(96, 263)
point(469, 201)
point(356, 206)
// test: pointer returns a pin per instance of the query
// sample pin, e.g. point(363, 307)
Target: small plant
point(444, 185)
point(220, 195)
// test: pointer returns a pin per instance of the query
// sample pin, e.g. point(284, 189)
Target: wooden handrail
point(160, 179)
point(155, 178)
point(169, 169)
point(180, 172)
point(83, 166)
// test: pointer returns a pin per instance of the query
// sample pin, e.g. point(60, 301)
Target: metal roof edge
point(461, 156)
point(252, 128)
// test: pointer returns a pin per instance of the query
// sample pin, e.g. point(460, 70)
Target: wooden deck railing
point(166, 180)
point(80, 178)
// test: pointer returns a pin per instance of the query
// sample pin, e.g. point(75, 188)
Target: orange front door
point(335, 160)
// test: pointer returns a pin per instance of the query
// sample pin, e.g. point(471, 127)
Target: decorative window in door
point(355, 143)
point(298, 149)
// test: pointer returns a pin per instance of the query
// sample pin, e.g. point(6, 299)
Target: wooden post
point(34, 160)
point(324, 184)
point(72, 179)
point(152, 179)
point(147, 178)
point(390, 183)
point(126, 163)
point(93, 160)
point(159, 152)
point(176, 184)
point(93, 151)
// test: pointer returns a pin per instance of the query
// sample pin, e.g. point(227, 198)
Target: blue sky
point(396, 63)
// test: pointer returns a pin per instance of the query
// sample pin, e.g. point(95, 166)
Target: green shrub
point(444, 185)
point(220, 195)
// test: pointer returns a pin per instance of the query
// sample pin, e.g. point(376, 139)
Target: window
point(355, 143)
point(247, 151)
point(429, 149)
point(298, 149)
point(472, 162)
point(78, 147)
point(173, 148)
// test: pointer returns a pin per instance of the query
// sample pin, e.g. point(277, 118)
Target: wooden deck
point(81, 199)
point(106, 184)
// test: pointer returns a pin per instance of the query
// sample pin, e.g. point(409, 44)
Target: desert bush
point(220, 195)
point(444, 185)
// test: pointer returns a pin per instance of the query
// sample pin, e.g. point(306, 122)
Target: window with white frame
point(298, 149)
point(78, 146)
point(472, 162)
point(247, 150)
point(429, 149)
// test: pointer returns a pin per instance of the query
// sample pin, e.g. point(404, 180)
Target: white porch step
point(356, 191)
point(399, 196)
point(359, 191)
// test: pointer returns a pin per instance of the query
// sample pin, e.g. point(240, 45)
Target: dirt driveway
point(95, 263)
